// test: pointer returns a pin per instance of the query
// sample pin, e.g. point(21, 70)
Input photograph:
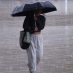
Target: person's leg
point(31, 53)
point(39, 49)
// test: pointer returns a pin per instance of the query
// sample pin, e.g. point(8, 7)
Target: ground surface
point(58, 43)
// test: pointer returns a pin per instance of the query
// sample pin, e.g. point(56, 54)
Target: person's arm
point(26, 24)
point(41, 22)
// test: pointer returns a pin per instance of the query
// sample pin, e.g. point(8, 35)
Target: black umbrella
point(24, 10)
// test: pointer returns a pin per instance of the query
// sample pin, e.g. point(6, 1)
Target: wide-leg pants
point(35, 51)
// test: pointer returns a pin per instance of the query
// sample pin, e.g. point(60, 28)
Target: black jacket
point(29, 23)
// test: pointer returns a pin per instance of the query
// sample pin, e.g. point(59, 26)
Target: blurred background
point(58, 35)
point(63, 6)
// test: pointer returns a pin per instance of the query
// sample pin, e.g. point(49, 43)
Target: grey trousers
point(35, 51)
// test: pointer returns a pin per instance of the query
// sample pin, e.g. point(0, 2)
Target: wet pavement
point(58, 43)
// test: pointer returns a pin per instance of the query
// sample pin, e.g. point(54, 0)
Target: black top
point(29, 23)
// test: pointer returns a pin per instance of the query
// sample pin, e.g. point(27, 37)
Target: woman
point(34, 23)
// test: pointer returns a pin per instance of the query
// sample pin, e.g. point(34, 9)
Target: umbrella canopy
point(24, 10)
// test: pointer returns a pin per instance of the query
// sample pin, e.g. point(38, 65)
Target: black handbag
point(24, 39)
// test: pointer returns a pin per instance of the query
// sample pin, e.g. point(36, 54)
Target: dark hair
point(30, 14)
point(37, 11)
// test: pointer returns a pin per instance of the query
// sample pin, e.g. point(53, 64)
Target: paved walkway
point(58, 47)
